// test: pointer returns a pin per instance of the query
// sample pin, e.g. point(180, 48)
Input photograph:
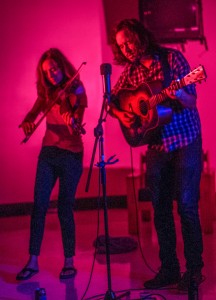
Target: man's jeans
point(176, 176)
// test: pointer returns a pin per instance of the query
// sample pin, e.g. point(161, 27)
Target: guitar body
point(147, 118)
point(144, 102)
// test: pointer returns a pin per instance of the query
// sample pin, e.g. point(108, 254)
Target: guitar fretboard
point(159, 98)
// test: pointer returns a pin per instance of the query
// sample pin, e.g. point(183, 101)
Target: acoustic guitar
point(144, 102)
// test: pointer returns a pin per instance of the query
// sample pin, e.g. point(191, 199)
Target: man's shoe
point(189, 278)
point(163, 278)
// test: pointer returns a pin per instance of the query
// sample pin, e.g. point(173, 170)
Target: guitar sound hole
point(143, 107)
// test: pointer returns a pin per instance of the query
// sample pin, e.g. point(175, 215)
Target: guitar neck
point(159, 98)
point(197, 74)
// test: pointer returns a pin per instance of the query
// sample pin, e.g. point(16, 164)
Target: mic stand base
point(111, 296)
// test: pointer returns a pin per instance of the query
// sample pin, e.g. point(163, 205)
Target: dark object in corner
point(117, 245)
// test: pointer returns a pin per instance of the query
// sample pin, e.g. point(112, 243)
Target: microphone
point(106, 71)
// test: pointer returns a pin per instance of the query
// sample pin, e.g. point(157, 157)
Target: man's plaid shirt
point(185, 125)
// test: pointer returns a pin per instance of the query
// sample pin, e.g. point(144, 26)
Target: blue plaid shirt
point(185, 126)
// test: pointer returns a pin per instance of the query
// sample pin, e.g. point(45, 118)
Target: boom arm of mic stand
point(98, 131)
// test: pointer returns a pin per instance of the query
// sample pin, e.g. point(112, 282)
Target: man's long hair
point(135, 28)
point(68, 70)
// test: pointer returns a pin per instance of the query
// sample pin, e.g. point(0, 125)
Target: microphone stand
point(98, 133)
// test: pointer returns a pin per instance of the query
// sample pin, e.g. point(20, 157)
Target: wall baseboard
point(21, 209)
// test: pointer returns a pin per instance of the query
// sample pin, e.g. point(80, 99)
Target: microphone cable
point(137, 216)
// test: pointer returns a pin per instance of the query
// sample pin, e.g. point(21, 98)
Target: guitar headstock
point(197, 75)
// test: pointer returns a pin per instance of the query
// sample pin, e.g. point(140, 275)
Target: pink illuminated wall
point(28, 28)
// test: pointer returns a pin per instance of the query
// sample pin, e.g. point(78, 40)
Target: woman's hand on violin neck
point(75, 123)
point(78, 127)
point(67, 117)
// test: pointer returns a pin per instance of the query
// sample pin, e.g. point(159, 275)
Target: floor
point(128, 271)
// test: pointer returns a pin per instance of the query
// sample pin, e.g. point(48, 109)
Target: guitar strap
point(155, 136)
point(165, 67)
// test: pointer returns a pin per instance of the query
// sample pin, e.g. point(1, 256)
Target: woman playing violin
point(60, 156)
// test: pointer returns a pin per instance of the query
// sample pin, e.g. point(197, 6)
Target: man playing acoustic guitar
point(174, 154)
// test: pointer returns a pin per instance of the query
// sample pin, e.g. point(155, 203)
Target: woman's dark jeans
point(176, 175)
point(53, 164)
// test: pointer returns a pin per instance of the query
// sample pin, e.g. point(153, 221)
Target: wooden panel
point(207, 200)
point(133, 185)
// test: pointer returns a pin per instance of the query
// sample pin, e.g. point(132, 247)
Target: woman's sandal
point(70, 275)
point(30, 272)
